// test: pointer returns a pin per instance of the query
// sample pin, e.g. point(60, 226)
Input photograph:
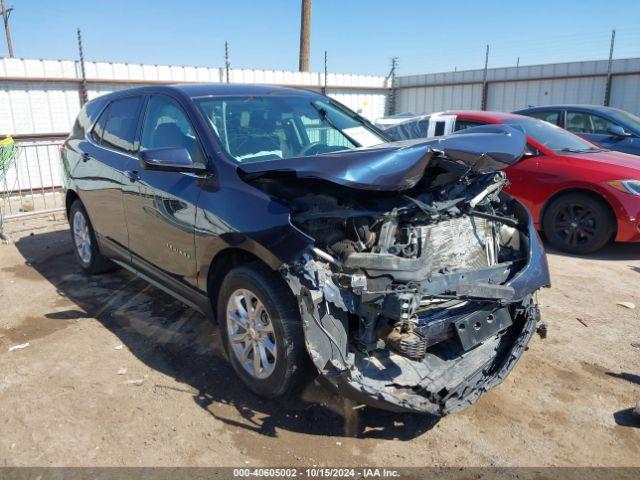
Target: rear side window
point(439, 130)
point(464, 124)
point(166, 125)
point(98, 128)
point(551, 117)
point(122, 122)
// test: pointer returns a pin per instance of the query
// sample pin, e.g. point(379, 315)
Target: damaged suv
point(399, 270)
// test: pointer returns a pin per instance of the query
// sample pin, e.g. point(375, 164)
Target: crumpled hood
point(399, 166)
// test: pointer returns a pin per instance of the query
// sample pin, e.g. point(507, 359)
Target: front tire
point(261, 331)
point(84, 241)
point(578, 223)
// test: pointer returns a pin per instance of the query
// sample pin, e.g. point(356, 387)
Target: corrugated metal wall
point(509, 89)
point(435, 99)
point(42, 96)
point(509, 96)
point(625, 92)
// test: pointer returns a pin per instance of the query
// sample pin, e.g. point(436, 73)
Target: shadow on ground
point(627, 418)
point(612, 251)
point(629, 377)
point(172, 338)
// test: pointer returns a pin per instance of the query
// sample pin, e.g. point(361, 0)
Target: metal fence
point(33, 183)
point(43, 96)
point(513, 88)
point(39, 100)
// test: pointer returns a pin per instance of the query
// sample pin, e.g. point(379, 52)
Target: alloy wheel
point(81, 237)
point(251, 334)
point(575, 224)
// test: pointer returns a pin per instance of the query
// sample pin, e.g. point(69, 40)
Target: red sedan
point(579, 194)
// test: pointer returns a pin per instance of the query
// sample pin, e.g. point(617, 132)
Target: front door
point(161, 212)
point(596, 129)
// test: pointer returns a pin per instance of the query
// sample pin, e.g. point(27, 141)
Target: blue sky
point(359, 35)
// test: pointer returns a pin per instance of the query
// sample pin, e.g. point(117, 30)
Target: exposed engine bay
point(419, 298)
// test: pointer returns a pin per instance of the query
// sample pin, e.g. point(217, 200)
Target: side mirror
point(531, 152)
point(617, 131)
point(173, 159)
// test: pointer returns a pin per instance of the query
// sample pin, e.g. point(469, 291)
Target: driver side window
point(166, 125)
point(582, 122)
point(600, 125)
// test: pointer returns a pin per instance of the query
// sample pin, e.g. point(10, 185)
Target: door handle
point(132, 175)
point(86, 157)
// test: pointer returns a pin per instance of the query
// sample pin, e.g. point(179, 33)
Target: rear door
point(551, 116)
point(161, 211)
point(101, 174)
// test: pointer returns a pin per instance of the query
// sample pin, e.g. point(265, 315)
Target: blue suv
point(401, 272)
point(611, 128)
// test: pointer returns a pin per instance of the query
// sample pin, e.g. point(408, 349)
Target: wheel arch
point(222, 264)
point(587, 191)
point(70, 197)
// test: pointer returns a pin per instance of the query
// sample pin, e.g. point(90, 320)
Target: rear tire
point(262, 332)
point(85, 246)
point(578, 223)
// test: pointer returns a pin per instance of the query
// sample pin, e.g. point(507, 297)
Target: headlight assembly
point(626, 186)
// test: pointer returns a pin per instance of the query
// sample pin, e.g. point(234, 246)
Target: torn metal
point(417, 291)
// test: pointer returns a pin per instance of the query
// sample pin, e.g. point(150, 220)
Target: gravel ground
point(118, 373)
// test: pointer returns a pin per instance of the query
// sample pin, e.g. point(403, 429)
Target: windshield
point(628, 119)
point(260, 128)
point(552, 136)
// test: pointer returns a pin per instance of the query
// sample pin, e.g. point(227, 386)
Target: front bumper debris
point(450, 377)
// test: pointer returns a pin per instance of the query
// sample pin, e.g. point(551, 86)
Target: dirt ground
point(118, 373)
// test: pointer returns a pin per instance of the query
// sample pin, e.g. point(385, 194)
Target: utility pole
point(607, 90)
point(5, 18)
point(485, 89)
point(326, 74)
point(227, 64)
point(305, 36)
point(83, 83)
point(391, 81)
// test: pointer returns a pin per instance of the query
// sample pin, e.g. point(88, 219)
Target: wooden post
point(305, 36)
point(7, 30)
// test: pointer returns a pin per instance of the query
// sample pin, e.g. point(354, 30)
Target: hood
point(400, 165)
point(615, 161)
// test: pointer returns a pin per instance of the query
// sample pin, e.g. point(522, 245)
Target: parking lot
point(118, 373)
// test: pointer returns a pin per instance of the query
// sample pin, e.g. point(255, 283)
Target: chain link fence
point(31, 183)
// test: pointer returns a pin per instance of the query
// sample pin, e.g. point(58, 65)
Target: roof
point(564, 106)
point(194, 90)
point(481, 114)
point(205, 89)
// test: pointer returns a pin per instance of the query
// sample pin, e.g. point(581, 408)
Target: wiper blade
point(325, 117)
point(583, 150)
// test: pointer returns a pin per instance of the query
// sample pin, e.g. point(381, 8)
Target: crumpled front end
point(430, 345)
point(419, 300)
